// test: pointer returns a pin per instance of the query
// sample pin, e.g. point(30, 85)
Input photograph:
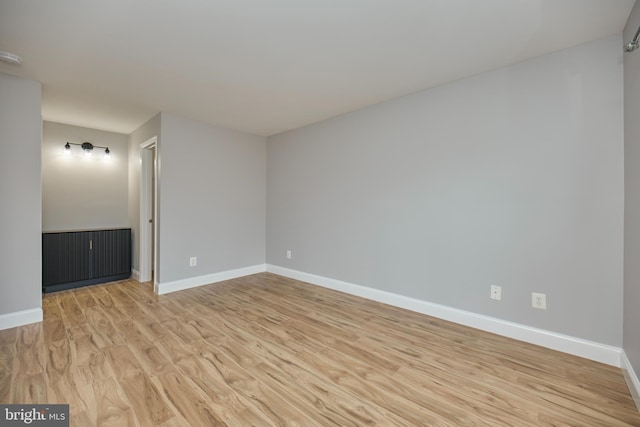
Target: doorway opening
point(148, 253)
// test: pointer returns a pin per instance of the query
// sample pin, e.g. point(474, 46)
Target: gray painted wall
point(20, 195)
point(513, 177)
point(632, 195)
point(80, 192)
point(145, 132)
point(211, 199)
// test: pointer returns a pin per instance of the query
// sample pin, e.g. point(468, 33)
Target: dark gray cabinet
point(80, 258)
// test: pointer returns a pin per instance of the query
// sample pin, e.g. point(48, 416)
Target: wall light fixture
point(87, 147)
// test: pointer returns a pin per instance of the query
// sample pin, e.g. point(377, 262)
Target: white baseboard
point(192, 282)
point(631, 378)
point(579, 347)
point(19, 318)
point(135, 274)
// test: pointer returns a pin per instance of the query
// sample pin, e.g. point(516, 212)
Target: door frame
point(148, 162)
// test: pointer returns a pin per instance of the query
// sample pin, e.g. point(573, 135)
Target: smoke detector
point(10, 58)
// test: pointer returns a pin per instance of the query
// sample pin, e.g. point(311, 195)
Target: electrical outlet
point(288, 254)
point(539, 301)
point(496, 292)
point(193, 261)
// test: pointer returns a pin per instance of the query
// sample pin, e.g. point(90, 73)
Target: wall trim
point(192, 282)
point(631, 378)
point(577, 346)
point(19, 318)
point(135, 274)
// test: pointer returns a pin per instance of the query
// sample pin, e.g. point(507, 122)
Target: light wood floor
point(265, 350)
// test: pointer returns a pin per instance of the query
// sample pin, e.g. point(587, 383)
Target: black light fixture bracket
point(634, 43)
point(86, 146)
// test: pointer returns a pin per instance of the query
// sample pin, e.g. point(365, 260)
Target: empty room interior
point(321, 212)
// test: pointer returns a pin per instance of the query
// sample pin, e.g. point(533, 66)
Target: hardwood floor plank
point(250, 419)
point(51, 311)
point(265, 350)
point(6, 376)
point(221, 397)
point(149, 356)
point(61, 377)
point(148, 404)
point(122, 361)
point(189, 402)
point(391, 395)
point(53, 330)
point(30, 388)
point(269, 404)
point(83, 344)
point(71, 311)
point(8, 338)
point(81, 419)
point(103, 331)
point(112, 409)
point(319, 398)
point(30, 357)
point(94, 370)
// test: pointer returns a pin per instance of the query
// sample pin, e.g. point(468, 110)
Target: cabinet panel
point(66, 257)
point(73, 259)
point(111, 252)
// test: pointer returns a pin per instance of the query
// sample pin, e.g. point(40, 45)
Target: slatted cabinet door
point(111, 252)
point(66, 257)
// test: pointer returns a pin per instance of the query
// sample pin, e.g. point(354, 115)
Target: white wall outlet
point(193, 261)
point(288, 254)
point(539, 301)
point(496, 292)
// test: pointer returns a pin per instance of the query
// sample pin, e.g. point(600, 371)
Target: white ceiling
point(266, 66)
